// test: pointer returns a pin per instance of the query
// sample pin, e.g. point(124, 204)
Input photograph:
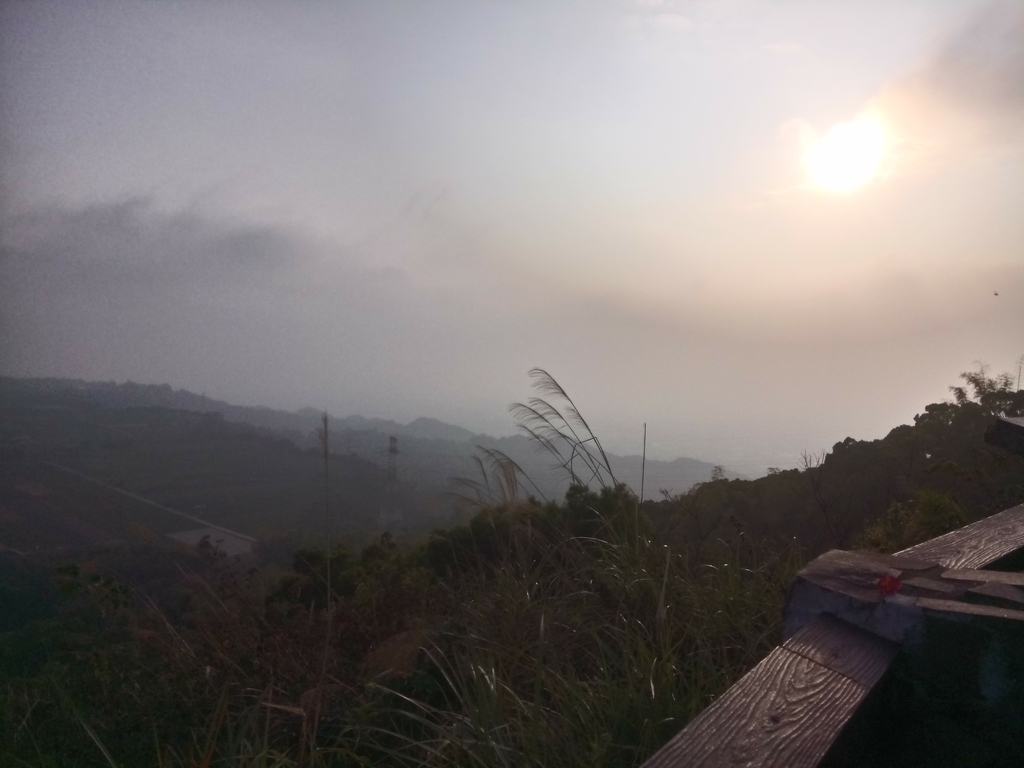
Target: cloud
point(968, 94)
point(122, 290)
point(263, 315)
point(648, 17)
point(257, 314)
point(127, 244)
point(786, 49)
point(981, 68)
point(963, 98)
point(673, 21)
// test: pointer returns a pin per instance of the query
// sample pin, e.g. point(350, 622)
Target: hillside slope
point(431, 451)
point(938, 471)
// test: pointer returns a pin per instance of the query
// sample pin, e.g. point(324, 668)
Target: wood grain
point(849, 573)
point(975, 545)
point(970, 609)
point(934, 585)
point(1002, 577)
point(788, 710)
point(1007, 433)
point(1002, 592)
point(897, 562)
point(852, 652)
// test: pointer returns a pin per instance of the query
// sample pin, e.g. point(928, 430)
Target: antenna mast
point(643, 465)
point(390, 513)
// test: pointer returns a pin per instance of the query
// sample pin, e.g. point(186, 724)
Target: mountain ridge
point(432, 452)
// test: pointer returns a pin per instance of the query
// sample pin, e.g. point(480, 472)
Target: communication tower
point(390, 512)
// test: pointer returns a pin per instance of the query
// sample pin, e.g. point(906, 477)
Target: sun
point(848, 156)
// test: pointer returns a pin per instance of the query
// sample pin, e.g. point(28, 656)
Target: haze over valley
point(396, 211)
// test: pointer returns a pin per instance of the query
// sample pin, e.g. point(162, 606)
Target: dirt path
point(144, 500)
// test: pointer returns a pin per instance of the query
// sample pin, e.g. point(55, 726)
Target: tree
point(996, 395)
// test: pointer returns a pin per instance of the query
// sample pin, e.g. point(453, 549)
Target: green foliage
point(588, 650)
point(584, 632)
point(930, 514)
point(839, 493)
point(308, 582)
point(997, 395)
point(535, 635)
point(524, 529)
point(231, 474)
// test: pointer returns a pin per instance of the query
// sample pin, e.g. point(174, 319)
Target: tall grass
point(595, 651)
point(558, 634)
point(582, 639)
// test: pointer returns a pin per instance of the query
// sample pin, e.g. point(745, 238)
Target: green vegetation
point(916, 482)
point(552, 635)
point(229, 474)
point(579, 633)
point(928, 515)
point(90, 418)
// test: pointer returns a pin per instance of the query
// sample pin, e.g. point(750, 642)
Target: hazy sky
point(397, 209)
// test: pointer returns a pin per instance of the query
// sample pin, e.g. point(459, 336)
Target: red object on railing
point(889, 585)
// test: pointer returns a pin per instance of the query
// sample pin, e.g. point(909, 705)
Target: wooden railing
point(848, 616)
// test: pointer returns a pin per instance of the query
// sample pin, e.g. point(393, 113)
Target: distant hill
point(432, 452)
point(77, 473)
point(917, 482)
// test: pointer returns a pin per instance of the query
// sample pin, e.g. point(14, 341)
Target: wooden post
point(848, 615)
point(789, 709)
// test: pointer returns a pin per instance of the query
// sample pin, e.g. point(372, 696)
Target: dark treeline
point(431, 452)
point(919, 480)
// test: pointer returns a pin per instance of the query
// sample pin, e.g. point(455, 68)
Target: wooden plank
point(971, 609)
point(1007, 433)
point(897, 618)
point(861, 561)
point(995, 590)
point(933, 585)
point(1002, 577)
point(844, 648)
point(975, 545)
point(897, 562)
point(788, 710)
point(854, 574)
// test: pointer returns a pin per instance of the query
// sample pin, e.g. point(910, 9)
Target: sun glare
point(848, 156)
